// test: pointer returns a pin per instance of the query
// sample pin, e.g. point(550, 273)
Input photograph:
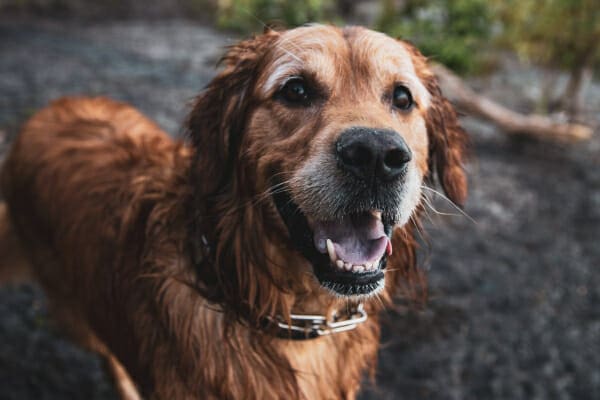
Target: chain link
point(321, 326)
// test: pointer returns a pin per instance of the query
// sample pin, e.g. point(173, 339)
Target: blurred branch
point(509, 121)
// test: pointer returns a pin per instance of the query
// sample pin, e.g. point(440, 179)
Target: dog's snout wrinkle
point(373, 154)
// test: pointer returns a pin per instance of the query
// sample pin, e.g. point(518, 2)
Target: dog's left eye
point(296, 92)
point(402, 98)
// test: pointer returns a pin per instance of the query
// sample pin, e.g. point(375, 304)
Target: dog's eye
point(402, 98)
point(295, 91)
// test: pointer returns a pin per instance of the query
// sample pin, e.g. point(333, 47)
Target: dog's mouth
point(348, 254)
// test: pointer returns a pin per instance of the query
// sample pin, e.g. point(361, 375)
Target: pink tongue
point(356, 239)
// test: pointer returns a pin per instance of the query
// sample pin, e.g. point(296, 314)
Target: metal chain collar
point(313, 326)
point(308, 326)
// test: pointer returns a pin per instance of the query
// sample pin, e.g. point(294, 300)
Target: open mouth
point(348, 254)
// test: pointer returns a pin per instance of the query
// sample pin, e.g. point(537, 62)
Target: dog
point(249, 261)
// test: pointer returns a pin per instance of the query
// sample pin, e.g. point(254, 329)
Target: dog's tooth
point(358, 268)
point(348, 266)
point(340, 264)
point(331, 251)
point(368, 266)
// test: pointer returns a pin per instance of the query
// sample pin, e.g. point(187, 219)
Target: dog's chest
point(332, 367)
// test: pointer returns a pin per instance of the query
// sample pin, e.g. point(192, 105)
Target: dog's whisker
point(460, 210)
point(380, 300)
point(429, 207)
point(387, 270)
point(275, 189)
point(286, 41)
point(425, 210)
point(259, 197)
point(417, 226)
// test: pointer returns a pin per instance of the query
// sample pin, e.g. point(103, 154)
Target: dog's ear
point(447, 140)
point(219, 114)
point(447, 144)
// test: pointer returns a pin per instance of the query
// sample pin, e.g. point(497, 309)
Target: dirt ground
point(514, 308)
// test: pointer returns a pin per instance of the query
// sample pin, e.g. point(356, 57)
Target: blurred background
point(514, 283)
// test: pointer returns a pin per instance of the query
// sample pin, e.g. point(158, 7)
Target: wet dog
point(251, 260)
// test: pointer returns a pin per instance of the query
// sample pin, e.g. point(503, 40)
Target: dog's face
point(342, 127)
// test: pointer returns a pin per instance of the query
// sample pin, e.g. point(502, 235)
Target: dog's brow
point(315, 49)
point(389, 58)
point(288, 64)
point(282, 67)
point(408, 78)
point(310, 48)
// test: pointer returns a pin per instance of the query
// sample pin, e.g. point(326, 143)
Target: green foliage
point(249, 15)
point(453, 32)
point(556, 33)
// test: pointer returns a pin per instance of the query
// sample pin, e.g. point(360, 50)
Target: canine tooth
point(376, 214)
point(331, 250)
point(348, 266)
point(339, 263)
point(358, 268)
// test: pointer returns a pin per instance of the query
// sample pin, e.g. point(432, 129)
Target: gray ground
point(514, 311)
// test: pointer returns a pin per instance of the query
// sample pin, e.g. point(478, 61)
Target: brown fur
point(14, 267)
point(111, 211)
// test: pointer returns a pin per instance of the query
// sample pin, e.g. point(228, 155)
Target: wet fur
point(111, 212)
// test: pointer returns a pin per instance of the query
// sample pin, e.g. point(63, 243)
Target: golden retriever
point(251, 261)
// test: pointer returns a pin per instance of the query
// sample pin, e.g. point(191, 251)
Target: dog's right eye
point(295, 92)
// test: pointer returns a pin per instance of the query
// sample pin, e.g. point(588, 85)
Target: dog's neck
point(313, 326)
point(309, 313)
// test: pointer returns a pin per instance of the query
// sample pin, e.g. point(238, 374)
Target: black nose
point(373, 153)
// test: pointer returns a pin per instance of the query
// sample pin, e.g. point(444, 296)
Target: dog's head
point(332, 133)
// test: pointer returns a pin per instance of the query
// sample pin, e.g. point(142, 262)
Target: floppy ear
point(447, 140)
point(218, 118)
point(447, 144)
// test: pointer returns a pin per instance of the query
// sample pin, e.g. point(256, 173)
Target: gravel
point(514, 288)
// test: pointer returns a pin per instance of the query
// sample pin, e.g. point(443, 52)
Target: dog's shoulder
point(87, 121)
point(79, 138)
point(92, 163)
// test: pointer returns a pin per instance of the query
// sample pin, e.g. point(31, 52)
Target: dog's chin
point(348, 254)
